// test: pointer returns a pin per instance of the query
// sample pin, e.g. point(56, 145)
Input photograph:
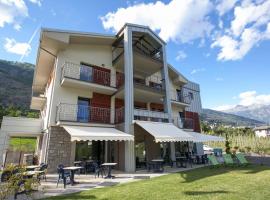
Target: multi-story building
point(110, 98)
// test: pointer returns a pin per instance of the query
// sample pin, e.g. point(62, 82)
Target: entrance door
point(83, 114)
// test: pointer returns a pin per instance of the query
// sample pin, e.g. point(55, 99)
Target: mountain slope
point(212, 116)
point(15, 83)
point(258, 112)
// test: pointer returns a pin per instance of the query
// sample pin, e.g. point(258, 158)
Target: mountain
point(213, 117)
point(15, 83)
point(257, 112)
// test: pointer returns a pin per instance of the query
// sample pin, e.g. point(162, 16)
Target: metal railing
point(184, 123)
point(147, 115)
point(86, 73)
point(154, 82)
point(119, 115)
point(84, 114)
point(180, 97)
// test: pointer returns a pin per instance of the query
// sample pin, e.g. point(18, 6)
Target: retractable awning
point(164, 132)
point(199, 137)
point(82, 133)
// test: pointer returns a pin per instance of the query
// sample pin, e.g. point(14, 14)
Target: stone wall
point(59, 148)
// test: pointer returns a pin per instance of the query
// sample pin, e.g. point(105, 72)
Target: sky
point(224, 45)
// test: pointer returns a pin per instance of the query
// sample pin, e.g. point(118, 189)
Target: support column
point(129, 99)
point(106, 152)
point(167, 100)
point(165, 76)
point(112, 117)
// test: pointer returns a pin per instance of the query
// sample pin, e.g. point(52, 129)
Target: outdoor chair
point(43, 168)
point(241, 158)
point(228, 160)
point(98, 170)
point(213, 161)
point(62, 175)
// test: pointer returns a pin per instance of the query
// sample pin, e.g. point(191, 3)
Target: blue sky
point(221, 44)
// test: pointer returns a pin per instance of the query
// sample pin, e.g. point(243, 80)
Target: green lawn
point(251, 182)
point(27, 144)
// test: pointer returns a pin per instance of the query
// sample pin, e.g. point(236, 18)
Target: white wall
point(194, 88)
point(91, 54)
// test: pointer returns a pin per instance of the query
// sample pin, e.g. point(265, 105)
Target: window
point(191, 95)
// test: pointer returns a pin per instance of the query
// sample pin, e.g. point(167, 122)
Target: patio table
point(32, 167)
point(72, 170)
point(109, 165)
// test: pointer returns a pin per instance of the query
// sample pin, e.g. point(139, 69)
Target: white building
point(262, 131)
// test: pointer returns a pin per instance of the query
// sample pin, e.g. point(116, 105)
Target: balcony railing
point(154, 82)
point(146, 115)
point(180, 97)
point(184, 123)
point(86, 73)
point(84, 114)
point(119, 115)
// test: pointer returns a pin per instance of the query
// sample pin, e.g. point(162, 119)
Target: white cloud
point(178, 21)
point(250, 26)
point(11, 10)
point(224, 107)
point(38, 2)
point(17, 27)
point(219, 79)
point(248, 98)
point(224, 6)
point(19, 48)
point(180, 55)
point(195, 71)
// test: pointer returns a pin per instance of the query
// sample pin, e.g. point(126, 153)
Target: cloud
point(195, 71)
point(172, 21)
point(180, 55)
point(248, 98)
point(219, 79)
point(250, 26)
point(11, 10)
point(17, 27)
point(224, 6)
point(38, 2)
point(12, 46)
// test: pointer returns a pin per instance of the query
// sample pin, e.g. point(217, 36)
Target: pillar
point(112, 117)
point(129, 99)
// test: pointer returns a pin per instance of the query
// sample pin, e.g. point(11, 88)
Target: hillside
point(15, 83)
point(212, 116)
point(258, 112)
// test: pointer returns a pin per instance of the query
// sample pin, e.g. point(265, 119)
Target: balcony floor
point(78, 84)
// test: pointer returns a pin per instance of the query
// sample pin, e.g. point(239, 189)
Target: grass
point(250, 182)
point(27, 144)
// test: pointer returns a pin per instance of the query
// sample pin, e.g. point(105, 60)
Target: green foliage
point(227, 145)
point(13, 111)
point(12, 184)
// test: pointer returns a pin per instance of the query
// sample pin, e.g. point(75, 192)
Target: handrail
point(183, 123)
point(180, 97)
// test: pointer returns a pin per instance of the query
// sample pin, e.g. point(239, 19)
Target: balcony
point(147, 115)
point(38, 98)
point(184, 123)
point(86, 77)
point(178, 98)
point(87, 114)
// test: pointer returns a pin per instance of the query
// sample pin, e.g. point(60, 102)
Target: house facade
point(262, 131)
point(112, 98)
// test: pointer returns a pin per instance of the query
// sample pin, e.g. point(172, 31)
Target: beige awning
point(199, 137)
point(83, 133)
point(165, 132)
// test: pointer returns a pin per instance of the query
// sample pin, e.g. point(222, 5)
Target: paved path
point(87, 182)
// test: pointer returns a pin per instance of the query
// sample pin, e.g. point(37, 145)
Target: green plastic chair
point(213, 160)
point(242, 159)
point(228, 160)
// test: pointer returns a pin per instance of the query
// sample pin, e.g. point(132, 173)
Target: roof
point(262, 127)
